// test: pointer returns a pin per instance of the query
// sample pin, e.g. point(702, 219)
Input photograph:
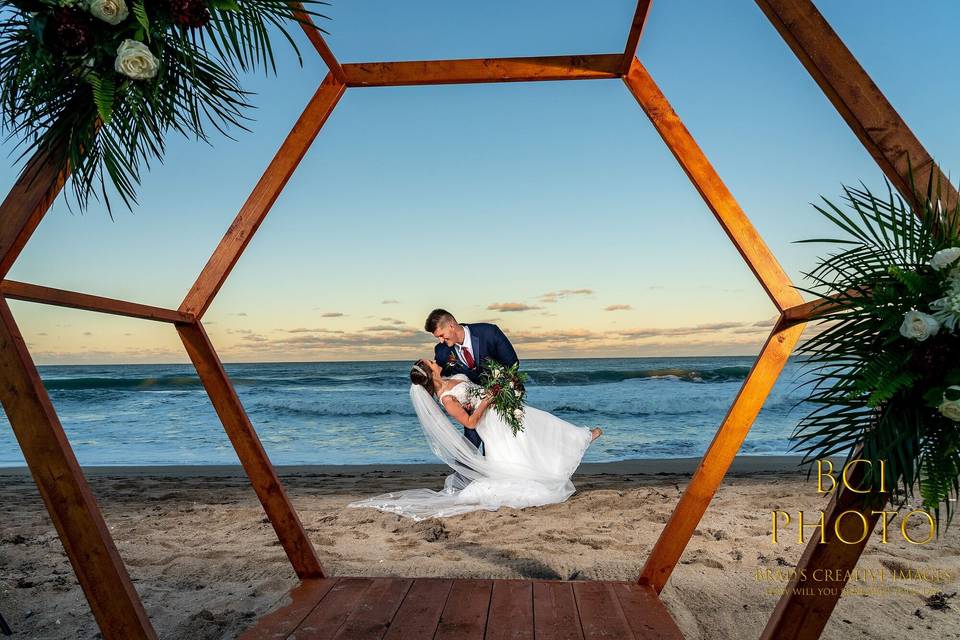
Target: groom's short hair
point(436, 318)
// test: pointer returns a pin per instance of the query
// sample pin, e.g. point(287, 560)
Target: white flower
point(135, 60)
point(496, 374)
point(518, 414)
point(951, 408)
point(918, 326)
point(953, 278)
point(946, 310)
point(111, 11)
point(944, 258)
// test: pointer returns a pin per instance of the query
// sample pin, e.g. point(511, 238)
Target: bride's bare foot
point(596, 431)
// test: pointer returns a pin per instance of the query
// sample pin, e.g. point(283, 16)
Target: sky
point(552, 209)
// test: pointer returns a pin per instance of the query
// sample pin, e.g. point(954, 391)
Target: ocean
point(360, 413)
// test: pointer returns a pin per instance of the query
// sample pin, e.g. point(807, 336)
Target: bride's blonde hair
point(420, 374)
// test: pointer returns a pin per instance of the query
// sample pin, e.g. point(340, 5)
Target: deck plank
point(464, 615)
point(458, 609)
point(419, 614)
point(645, 612)
point(279, 624)
point(511, 611)
point(555, 612)
point(372, 616)
point(600, 612)
point(325, 621)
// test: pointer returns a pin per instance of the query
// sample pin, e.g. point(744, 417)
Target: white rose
point(518, 414)
point(944, 258)
point(135, 60)
point(111, 11)
point(918, 326)
point(951, 408)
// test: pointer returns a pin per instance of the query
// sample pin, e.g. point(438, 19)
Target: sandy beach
point(206, 563)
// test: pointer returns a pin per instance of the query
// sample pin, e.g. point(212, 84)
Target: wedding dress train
point(531, 469)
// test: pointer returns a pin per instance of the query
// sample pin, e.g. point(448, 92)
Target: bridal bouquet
point(97, 84)
point(506, 386)
point(886, 366)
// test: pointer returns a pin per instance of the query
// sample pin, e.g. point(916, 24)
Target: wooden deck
point(438, 609)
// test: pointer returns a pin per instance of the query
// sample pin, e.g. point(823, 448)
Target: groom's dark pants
point(471, 435)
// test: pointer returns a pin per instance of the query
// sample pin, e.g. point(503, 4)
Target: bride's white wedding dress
point(531, 469)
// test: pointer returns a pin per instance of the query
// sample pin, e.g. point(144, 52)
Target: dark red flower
point(495, 389)
point(188, 13)
point(69, 31)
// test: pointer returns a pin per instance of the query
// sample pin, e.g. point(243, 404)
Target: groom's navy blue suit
point(487, 341)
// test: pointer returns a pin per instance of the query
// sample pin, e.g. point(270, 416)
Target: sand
point(206, 563)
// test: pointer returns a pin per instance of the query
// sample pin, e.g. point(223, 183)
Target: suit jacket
point(488, 342)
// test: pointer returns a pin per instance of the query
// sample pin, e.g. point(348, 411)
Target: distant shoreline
point(640, 466)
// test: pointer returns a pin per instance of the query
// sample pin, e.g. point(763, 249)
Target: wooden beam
point(264, 194)
point(286, 523)
point(804, 312)
point(316, 39)
point(72, 507)
point(393, 74)
point(859, 101)
point(718, 198)
point(809, 599)
point(720, 454)
point(24, 207)
point(75, 300)
point(636, 31)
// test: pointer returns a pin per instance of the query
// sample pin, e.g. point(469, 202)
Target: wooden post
point(26, 204)
point(808, 600)
point(75, 300)
point(282, 515)
point(72, 507)
point(636, 31)
point(857, 99)
point(720, 454)
point(262, 197)
point(529, 69)
point(704, 177)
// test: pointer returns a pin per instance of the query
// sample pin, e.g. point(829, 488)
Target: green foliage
point(875, 392)
point(507, 387)
point(107, 127)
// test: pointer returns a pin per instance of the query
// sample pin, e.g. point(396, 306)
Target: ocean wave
point(137, 384)
point(537, 377)
point(607, 376)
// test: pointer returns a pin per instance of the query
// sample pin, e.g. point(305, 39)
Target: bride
point(530, 469)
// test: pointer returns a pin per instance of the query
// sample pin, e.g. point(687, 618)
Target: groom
point(464, 347)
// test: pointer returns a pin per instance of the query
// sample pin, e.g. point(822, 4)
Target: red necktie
point(467, 357)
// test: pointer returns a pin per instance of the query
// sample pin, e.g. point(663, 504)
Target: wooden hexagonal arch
point(400, 608)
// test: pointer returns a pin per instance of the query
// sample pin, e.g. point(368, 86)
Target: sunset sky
point(551, 209)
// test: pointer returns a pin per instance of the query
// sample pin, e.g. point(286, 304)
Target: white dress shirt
point(466, 341)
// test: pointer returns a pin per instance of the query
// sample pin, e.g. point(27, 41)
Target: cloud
point(553, 296)
point(506, 307)
point(618, 307)
point(88, 333)
point(240, 313)
point(305, 330)
point(331, 314)
point(393, 321)
point(681, 331)
point(390, 302)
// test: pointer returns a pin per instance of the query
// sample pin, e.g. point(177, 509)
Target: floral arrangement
point(506, 385)
point(886, 364)
point(97, 84)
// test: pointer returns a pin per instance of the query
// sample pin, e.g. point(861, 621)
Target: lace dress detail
point(462, 392)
